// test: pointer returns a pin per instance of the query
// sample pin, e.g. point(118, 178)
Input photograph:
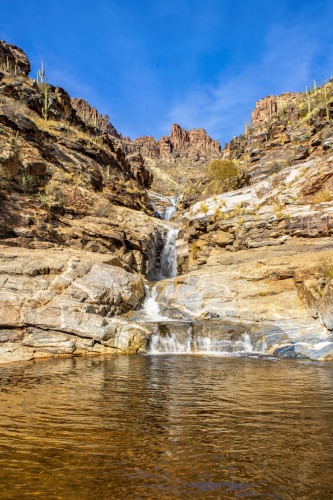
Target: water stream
point(170, 210)
point(151, 307)
point(165, 206)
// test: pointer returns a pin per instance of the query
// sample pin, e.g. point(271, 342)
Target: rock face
point(253, 292)
point(265, 251)
point(76, 238)
point(90, 115)
point(13, 60)
point(194, 145)
point(274, 106)
point(175, 158)
point(64, 303)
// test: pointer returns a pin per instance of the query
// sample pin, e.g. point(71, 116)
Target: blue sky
point(148, 64)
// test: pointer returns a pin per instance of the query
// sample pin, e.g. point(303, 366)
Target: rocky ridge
point(176, 158)
point(171, 159)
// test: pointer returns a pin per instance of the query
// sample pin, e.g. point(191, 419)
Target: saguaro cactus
point(309, 100)
point(47, 103)
point(41, 78)
point(326, 103)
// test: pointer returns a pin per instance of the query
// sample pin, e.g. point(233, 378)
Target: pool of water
point(163, 426)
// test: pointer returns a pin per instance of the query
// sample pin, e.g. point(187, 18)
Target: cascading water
point(171, 210)
point(151, 308)
point(181, 338)
point(164, 206)
point(172, 344)
point(168, 257)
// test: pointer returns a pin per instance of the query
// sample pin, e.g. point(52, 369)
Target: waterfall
point(172, 344)
point(168, 257)
point(150, 307)
point(164, 206)
point(171, 210)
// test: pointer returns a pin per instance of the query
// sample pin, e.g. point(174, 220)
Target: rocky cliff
point(72, 205)
point(91, 116)
point(13, 60)
point(266, 249)
point(181, 145)
point(176, 158)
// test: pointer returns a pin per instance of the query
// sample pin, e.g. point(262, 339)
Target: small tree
point(223, 175)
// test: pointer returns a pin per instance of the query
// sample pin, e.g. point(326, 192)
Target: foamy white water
point(168, 258)
point(172, 344)
point(171, 210)
point(150, 307)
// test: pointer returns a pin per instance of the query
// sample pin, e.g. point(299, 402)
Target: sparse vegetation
point(44, 199)
point(326, 268)
point(218, 214)
point(325, 194)
point(28, 182)
point(277, 210)
point(223, 175)
point(203, 207)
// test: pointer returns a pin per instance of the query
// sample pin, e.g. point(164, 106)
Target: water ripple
point(166, 427)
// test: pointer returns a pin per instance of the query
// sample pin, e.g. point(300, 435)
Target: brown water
point(166, 427)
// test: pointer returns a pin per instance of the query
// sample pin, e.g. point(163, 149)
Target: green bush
point(223, 175)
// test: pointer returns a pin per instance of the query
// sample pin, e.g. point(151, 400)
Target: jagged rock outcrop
point(176, 158)
point(276, 106)
point(91, 116)
point(13, 60)
point(181, 145)
point(138, 169)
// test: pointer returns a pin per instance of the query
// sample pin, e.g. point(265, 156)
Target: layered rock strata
point(64, 303)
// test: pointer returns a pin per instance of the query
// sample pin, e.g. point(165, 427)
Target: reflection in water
point(166, 427)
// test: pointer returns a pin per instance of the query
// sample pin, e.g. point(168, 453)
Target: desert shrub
point(223, 175)
point(218, 214)
point(326, 268)
point(44, 199)
point(323, 195)
point(194, 250)
point(203, 207)
point(28, 182)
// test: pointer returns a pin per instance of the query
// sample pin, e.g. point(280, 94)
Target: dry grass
point(326, 268)
point(204, 208)
point(323, 195)
point(194, 250)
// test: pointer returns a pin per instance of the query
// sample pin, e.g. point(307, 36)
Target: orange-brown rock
point(91, 116)
point(273, 106)
point(13, 60)
point(194, 145)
